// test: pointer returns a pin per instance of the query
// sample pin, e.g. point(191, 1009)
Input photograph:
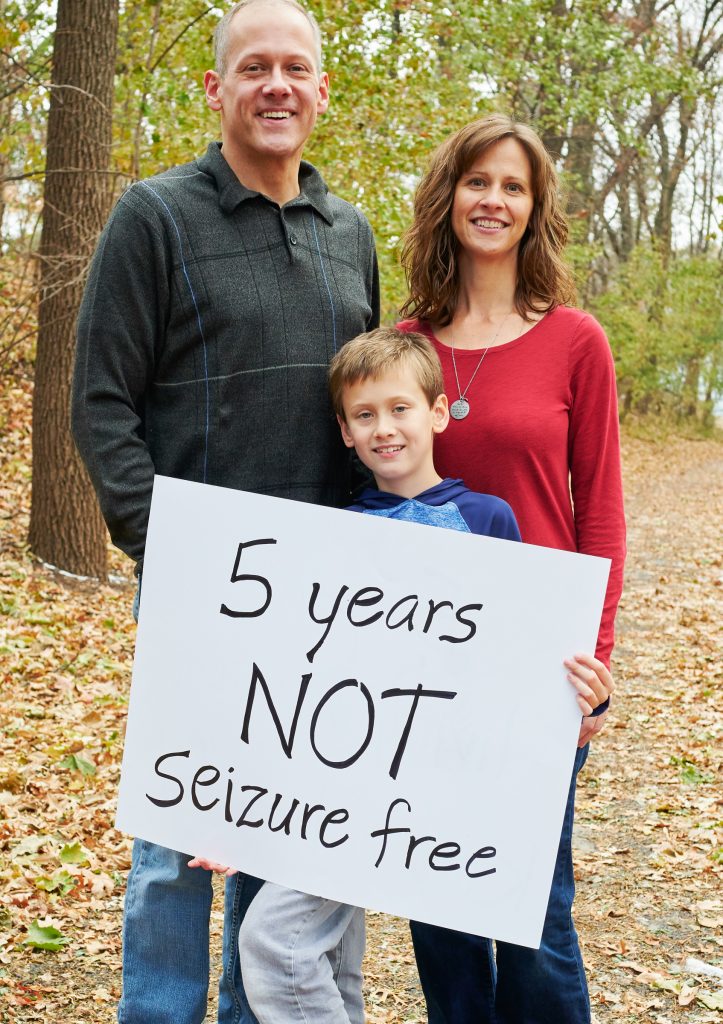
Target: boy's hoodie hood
point(371, 499)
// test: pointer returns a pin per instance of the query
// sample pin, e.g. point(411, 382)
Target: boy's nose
point(384, 428)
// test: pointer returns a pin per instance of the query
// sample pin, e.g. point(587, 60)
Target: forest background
point(628, 96)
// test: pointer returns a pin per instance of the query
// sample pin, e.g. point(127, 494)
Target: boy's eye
point(363, 415)
point(400, 408)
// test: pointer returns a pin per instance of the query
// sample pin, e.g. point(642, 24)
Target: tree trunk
point(66, 528)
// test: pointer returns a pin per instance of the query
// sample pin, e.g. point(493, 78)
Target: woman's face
point(493, 202)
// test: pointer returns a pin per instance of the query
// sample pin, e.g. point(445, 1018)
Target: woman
point(531, 386)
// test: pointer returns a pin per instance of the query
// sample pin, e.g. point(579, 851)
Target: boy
point(387, 392)
point(301, 955)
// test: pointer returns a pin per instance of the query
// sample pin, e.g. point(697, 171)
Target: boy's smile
point(391, 425)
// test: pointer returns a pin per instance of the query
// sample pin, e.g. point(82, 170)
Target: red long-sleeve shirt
point(542, 433)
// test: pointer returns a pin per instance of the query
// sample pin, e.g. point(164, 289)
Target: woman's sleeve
point(594, 459)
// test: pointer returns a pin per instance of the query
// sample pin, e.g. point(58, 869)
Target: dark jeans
point(532, 986)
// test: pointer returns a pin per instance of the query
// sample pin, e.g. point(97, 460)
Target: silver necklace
point(460, 409)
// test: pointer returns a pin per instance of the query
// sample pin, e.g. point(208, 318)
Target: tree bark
point(66, 528)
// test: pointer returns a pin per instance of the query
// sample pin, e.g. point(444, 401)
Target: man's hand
point(211, 865)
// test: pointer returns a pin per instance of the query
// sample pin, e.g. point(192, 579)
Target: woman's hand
point(211, 865)
point(591, 679)
point(590, 727)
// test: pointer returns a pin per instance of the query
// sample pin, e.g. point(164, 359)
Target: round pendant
point(459, 409)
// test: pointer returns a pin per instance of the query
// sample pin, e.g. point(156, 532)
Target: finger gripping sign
point(369, 710)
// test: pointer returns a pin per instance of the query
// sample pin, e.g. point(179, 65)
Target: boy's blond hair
point(377, 352)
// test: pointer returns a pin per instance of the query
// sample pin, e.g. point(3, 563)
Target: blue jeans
point(165, 937)
point(165, 941)
point(529, 986)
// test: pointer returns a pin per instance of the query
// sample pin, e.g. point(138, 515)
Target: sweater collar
point(231, 192)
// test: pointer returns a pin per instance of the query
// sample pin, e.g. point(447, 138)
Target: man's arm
point(373, 289)
point(120, 330)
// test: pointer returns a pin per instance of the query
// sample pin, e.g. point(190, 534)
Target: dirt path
point(646, 850)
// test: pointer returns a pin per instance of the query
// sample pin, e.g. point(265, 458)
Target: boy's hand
point(211, 865)
point(591, 679)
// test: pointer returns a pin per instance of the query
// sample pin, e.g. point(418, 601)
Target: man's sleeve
point(121, 324)
point(373, 289)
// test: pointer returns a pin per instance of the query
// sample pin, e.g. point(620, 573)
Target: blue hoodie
point(449, 504)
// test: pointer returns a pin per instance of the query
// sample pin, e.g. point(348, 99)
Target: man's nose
point(277, 81)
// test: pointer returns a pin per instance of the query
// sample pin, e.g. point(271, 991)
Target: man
point(218, 293)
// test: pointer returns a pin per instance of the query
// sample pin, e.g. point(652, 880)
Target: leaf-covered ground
point(649, 907)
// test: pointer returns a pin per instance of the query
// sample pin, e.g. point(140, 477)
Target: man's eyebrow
point(291, 58)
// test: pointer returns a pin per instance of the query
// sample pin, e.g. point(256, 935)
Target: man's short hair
point(377, 353)
point(220, 35)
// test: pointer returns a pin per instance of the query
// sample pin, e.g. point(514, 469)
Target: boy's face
point(390, 423)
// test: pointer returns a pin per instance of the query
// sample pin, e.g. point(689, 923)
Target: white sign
point(371, 711)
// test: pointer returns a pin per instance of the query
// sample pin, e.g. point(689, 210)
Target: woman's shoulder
point(414, 325)
point(579, 328)
point(573, 318)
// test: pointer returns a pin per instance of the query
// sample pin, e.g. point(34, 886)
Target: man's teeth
point(276, 115)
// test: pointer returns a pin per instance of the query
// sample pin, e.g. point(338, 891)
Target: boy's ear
point(440, 413)
point(346, 435)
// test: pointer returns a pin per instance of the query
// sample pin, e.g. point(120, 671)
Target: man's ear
point(213, 87)
point(440, 413)
point(345, 433)
point(322, 103)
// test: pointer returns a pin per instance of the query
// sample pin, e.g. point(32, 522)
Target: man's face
point(272, 92)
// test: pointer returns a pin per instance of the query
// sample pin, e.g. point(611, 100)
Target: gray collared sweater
point(204, 335)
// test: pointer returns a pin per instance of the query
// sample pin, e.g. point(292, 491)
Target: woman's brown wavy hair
point(429, 256)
